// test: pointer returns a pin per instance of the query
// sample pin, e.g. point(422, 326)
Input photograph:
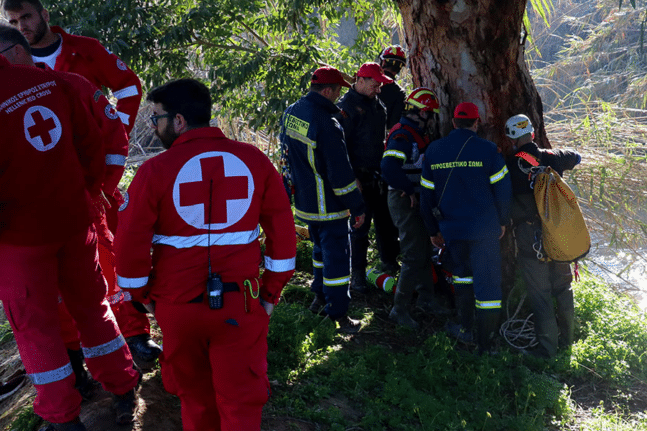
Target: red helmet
point(424, 99)
point(394, 53)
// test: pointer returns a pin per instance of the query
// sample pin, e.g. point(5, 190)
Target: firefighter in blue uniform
point(325, 189)
point(401, 168)
point(465, 201)
point(544, 280)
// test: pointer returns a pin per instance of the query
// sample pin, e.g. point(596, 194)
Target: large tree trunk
point(473, 51)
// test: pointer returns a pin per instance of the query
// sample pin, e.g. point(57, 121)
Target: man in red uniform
point(88, 58)
point(50, 169)
point(115, 141)
point(201, 205)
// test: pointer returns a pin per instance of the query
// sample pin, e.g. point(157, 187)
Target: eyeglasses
point(7, 49)
point(154, 118)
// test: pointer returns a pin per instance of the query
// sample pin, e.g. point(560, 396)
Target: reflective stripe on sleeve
point(427, 184)
point(336, 281)
point(488, 305)
point(344, 190)
point(395, 153)
point(104, 349)
point(125, 118)
point(317, 264)
point(499, 175)
point(229, 238)
point(51, 376)
point(126, 92)
point(280, 265)
point(462, 280)
point(131, 283)
point(115, 160)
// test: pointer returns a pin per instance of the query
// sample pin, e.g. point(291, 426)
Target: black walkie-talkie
point(214, 282)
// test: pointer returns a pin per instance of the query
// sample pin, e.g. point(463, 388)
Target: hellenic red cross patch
point(43, 129)
point(232, 187)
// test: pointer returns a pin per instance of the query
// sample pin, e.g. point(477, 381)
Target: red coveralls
point(115, 146)
point(88, 58)
point(214, 360)
point(47, 242)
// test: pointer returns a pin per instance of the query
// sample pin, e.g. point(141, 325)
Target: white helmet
point(518, 126)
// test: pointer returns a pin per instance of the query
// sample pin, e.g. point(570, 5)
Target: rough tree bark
point(473, 51)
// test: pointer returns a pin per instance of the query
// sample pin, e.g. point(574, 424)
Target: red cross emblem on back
point(43, 129)
point(224, 189)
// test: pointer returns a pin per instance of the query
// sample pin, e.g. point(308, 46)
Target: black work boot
point(487, 322)
point(85, 384)
point(358, 281)
point(126, 406)
point(143, 347)
point(74, 425)
point(317, 306)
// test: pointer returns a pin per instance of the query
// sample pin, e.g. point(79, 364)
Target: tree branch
point(260, 39)
point(226, 47)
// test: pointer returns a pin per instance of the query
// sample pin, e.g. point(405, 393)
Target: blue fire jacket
point(402, 161)
point(324, 183)
point(473, 180)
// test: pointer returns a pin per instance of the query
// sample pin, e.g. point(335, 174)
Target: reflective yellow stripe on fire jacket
point(345, 190)
point(462, 280)
point(51, 376)
point(427, 184)
point(341, 281)
point(320, 217)
point(488, 305)
point(104, 349)
point(499, 175)
point(395, 153)
point(317, 264)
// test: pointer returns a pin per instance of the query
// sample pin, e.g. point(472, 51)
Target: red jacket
point(115, 140)
point(90, 59)
point(168, 207)
point(47, 162)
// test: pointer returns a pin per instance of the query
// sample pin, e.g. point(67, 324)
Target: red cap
point(373, 70)
point(328, 75)
point(466, 110)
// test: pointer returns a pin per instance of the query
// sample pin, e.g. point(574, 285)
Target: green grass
point(398, 380)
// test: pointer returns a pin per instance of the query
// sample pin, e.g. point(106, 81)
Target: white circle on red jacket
point(42, 128)
point(194, 212)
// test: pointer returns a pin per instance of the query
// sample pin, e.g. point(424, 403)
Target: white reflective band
point(230, 238)
point(499, 175)
point(115, 159)
point(104, 349)
point(125, 118)
point(280, 265)
point(463, 280)
point(317, 264)
point(126, 92)
point(52, 376)
point(427, 184)
point(488, 304)
point(336, 281)
point(131, 283)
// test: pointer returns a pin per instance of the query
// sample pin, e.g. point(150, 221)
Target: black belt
point(226, 287)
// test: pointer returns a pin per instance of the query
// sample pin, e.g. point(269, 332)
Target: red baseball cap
point(373, 70)
point(466, 110)
point(328, 75)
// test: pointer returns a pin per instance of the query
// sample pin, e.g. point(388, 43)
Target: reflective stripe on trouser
point(544, 281)
point(415, 248)
point(330, 246)
point(480, 260)
point(215, 361)
point(37, 329)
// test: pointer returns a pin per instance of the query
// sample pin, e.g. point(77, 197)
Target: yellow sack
point(565, 236)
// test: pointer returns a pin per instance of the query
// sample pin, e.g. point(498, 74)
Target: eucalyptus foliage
point(257, 56)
